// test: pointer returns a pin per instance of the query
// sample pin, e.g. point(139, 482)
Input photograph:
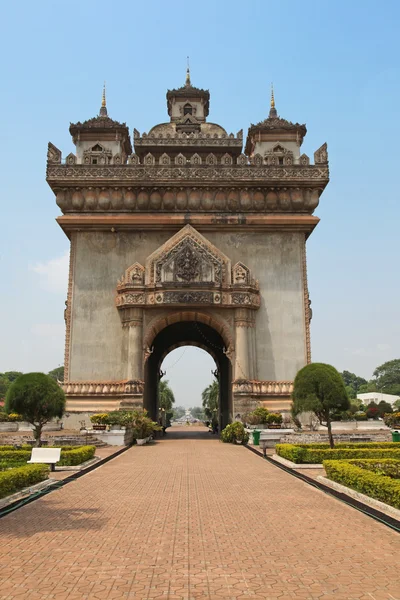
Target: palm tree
point(165, 396)
point(210, 397)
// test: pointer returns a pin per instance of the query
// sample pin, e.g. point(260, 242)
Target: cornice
point(113, 174)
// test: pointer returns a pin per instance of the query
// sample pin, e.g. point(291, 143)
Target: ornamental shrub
point(235, 432)
point(380, 487)
point(382, 466)
point(99, 419)
point(392, 420)
point(76, 456)
point(274, 419)
point(372, 412)
point(37, 398)
point(15, 480)
point(319, 388)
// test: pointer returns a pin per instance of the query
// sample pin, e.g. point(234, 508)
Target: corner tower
point(186, 240)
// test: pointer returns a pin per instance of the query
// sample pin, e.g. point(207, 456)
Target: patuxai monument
point(190, 237)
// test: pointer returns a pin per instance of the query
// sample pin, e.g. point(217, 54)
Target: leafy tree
point(12, 375)
point(384, 408)
point(197, 412)
point(396, 404)
point(57, 374)
point(368, 387)
point(179, 411)
point(351, 380)
point(165, 396)
point(210, 398)
point(6, 379)
point(351, 392)
point(319, 388)
point(38, 398)
point(388, 377)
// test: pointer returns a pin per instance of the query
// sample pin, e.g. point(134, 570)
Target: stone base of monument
point(115, 437)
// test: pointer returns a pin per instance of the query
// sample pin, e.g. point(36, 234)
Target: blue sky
point(335, 67)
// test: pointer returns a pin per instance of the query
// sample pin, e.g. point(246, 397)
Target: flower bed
point(317, 453)
point(364, 480)
point(14, 480)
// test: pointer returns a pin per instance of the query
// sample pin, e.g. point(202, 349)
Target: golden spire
point(103, 109)
point(272, 111)
point(188, 82)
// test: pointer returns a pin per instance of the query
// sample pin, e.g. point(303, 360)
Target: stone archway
point(182, 333)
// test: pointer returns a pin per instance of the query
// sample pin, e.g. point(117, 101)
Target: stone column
point(135, 350)
point(242, 319)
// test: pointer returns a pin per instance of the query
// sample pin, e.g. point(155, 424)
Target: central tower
point(186, 240)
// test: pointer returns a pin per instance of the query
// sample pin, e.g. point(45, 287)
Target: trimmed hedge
point(311, 455)
point(382, 466)
point(16, 479)
point(380, 487)
point(76, 456)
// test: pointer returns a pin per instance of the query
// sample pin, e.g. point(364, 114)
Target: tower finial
point(272, 111)
point(103, 109)
point(188, 82)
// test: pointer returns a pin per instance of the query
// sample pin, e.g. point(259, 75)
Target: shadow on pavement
point(188, 432)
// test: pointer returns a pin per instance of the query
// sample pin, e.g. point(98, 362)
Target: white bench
point(48, 456)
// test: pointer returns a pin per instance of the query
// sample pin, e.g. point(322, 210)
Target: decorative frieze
point(211, 171)
point(262, 388)
point(121, 199)
point(187, 270)
point(103, 388)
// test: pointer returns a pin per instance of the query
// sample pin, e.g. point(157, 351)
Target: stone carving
point(134, 159)
point(103, 388)
point(133, 276)
point(53, 154)
point(307, 304)
point(58, 174)
point(149, 160)
point(187, 260)
point(164, 159)
point(240, 274)
point(194, 138)
point(70, 159)
point(227, 159)
point(68, 305)
point(195, 160)
point(262, 388)
point(188, 297)
point(213, 266)
point(321, 155)
point(211, 159)
point(304, 159)
point(257, 160)
point(187, 264)
point(242, 160)
point(180, 160)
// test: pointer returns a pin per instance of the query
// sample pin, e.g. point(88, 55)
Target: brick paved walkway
point(194, 518)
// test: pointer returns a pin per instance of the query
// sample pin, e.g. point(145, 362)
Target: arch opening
point(189, 333)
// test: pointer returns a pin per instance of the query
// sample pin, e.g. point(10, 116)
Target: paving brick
point(188, 518)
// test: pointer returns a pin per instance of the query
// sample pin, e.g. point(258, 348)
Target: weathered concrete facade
point(186, 230)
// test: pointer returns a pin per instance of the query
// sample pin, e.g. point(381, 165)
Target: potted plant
point(143, 427)
point(257, 418)
point(274, 420)
point(99, 421)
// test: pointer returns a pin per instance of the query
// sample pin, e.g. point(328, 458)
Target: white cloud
point(53, 274)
